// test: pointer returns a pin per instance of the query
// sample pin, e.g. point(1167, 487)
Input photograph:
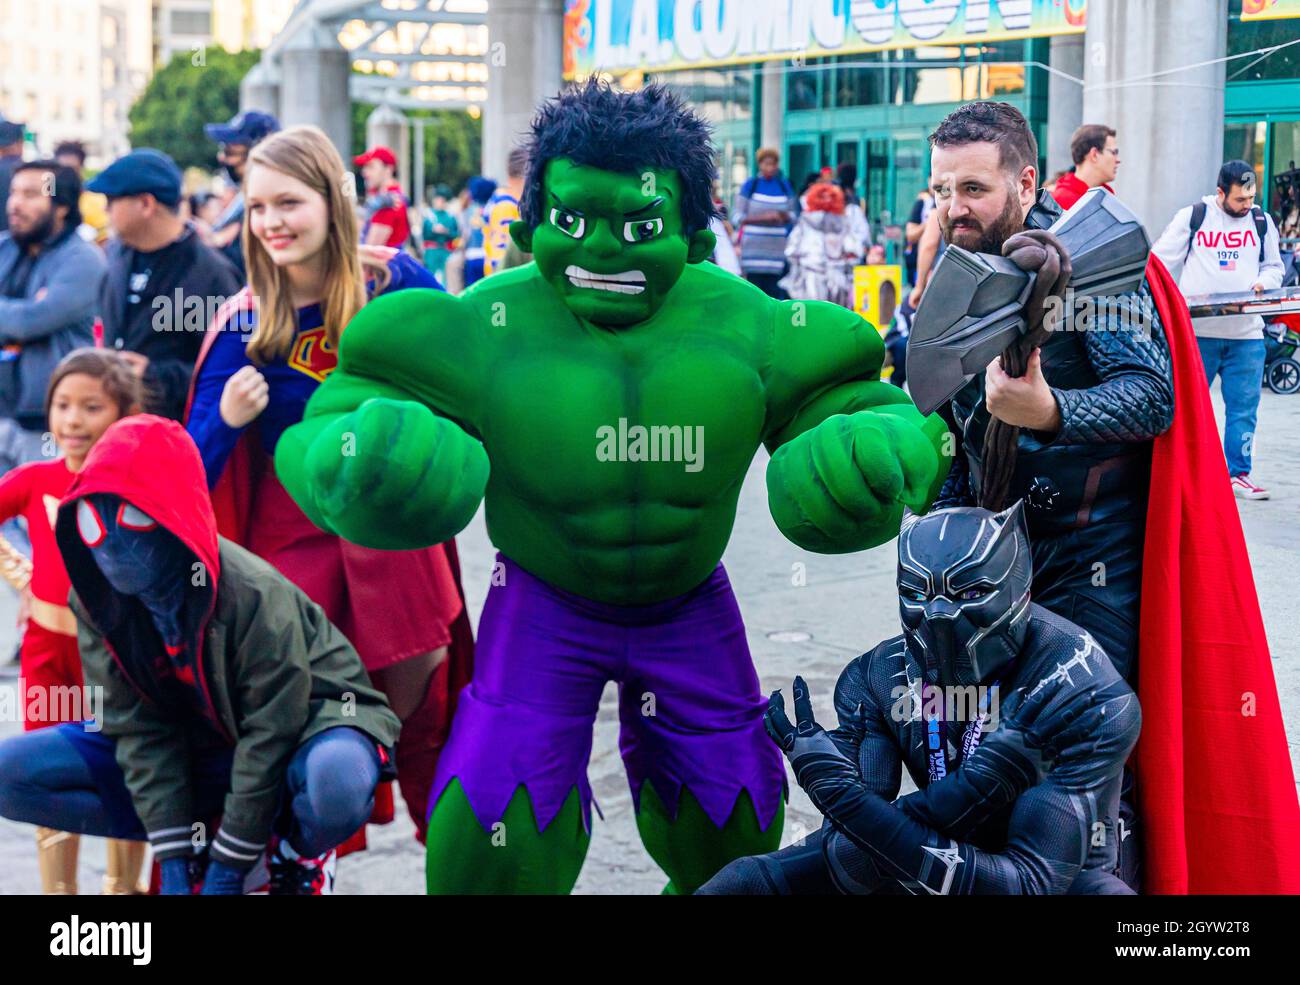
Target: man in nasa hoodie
point(1227, 243)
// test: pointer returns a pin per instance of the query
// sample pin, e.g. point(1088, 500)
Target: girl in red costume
point(267, 351)
point(88, 391)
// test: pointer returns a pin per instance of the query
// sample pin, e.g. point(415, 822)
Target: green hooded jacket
point(262, 669)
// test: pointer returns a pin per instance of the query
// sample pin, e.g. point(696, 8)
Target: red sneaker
point(294, 876)
point(1243, 488)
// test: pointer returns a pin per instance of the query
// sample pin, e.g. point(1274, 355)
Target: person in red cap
point(387, 223)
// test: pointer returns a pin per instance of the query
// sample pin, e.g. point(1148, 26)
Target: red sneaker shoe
point(294, 876)
point(1243, 488)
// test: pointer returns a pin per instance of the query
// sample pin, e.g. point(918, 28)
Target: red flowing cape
point(1216, 792)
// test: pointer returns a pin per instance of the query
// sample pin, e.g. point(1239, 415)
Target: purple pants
point(689, 705)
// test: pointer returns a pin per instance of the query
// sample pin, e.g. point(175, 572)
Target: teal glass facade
point(1262, 112)
point(874, 110)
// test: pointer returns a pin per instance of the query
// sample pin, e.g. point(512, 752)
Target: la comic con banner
point(658, 35)
point(1263, 10)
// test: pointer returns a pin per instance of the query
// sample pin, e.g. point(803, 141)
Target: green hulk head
point(618, 199)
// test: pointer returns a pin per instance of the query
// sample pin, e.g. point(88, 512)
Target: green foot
point(511, 857)
point(690, 848)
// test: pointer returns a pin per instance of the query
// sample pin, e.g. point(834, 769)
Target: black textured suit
point(986, 827)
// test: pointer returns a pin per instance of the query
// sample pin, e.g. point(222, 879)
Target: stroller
point(1281, 369)
point(1281, 340)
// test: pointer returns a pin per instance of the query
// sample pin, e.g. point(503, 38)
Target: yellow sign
point(877, 289)
point(876, 292)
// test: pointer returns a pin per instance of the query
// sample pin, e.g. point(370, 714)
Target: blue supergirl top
point(290, 380)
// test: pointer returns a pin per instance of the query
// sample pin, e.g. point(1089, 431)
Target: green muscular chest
point(589, 421)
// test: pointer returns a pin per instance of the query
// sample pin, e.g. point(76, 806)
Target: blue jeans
point(1239, 363)
point(68, 779)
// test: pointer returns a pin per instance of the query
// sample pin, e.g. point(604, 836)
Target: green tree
point(189, 91)
point(453, 143)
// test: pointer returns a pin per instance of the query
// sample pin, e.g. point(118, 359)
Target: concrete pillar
point(1064, 101)
point(315, 72)
point(388, 127)
point(771, 110)
point(525, 48)
point(1170, 127)
point(417, 164)
point(260, 88)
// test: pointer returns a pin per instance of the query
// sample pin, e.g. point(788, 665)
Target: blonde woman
point(267, 352)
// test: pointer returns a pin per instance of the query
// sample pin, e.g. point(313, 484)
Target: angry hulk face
point(611, 244)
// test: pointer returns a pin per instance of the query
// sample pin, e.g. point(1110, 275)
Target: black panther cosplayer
point(1029, 806)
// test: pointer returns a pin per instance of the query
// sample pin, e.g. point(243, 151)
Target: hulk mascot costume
point(606, 402)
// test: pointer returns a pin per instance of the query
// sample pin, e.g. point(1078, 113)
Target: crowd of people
point(145, 313)
point(802, 245)
point(233, 490)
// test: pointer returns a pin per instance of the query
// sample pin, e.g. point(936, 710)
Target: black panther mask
point(963, 592)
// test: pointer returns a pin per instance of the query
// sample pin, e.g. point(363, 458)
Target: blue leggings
point(67, 778)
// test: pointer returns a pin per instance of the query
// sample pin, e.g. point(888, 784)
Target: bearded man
point(49, 293)
point(1088, 407)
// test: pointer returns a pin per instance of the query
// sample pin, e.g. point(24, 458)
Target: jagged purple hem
point(489, 806)
point(719, 802)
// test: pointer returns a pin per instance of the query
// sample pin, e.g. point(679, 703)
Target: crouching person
point(1021, 797)
point(223, 691)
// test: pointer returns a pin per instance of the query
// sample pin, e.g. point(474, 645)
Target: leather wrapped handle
point(1039, 252)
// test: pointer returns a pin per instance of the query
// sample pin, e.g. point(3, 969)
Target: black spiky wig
point(594, 124)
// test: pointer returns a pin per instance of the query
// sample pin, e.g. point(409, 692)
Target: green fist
point(841, 486)
point(390, 475)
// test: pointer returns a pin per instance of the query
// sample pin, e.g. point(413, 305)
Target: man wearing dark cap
point(234, 140)
point(49, 290)
point(386, 221)
point(11, 155)
point(1226, 243)
point(163, 284)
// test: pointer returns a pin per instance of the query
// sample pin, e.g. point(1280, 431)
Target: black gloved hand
point(1013, 754)
point(1031, 733)
point(820, 767)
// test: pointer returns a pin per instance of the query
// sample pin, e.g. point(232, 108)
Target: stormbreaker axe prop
point(973, 307)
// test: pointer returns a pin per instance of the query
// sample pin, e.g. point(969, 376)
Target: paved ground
point(813, 629)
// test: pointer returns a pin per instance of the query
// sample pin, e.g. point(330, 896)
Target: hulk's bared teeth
point(623, 282)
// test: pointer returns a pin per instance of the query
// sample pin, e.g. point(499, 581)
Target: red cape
point(232, 495)
point(1216, 793)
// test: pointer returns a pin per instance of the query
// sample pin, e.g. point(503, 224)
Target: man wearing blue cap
point(234, 140)
point(11, 155)
point(163, 284)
